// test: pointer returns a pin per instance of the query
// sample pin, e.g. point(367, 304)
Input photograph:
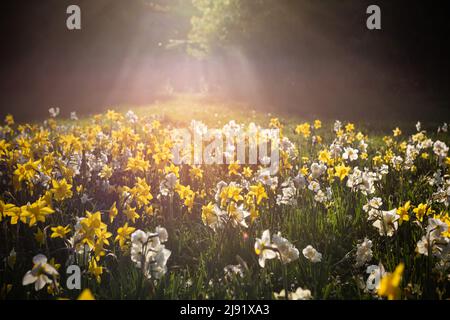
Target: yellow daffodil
point(137, 164)
point(259, 192)
point(421, 210)
point(303, 129)
point(131, 214)
point(39, 236)
point(7, 209)
point(233, 168)
point(390, 283)
point(172, 169)
point(196, 173)
point(325, 156)
point(350, 127)
point(230, 192)
point(247, 172)
point(123, 234)
point(275, 123)
point(60, 232)
point(317, 124)
point(27, 171)
point(403, 212)
point(341, 171)
point(61, 190)
point(396, 132)
point(9, 120)
point(106, 172)
point(113, 212)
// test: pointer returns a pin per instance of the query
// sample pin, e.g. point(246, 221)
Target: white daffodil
point(317, 170)
point(374, 203)
point(159, 266)
point(440, 149)
point(312, 254)
point(264, 248)
point(433, 241)
point(350, 154)
point(41, 273)
point(54, 112)
point(131, 117)
point(363, 252)
point(418, 126)
point(162, 234)
point(288, 196)
point(286, 250)
point(266, 178)
point(299, 294)
point(149, 253)
point(387, 222)
point(237, 215)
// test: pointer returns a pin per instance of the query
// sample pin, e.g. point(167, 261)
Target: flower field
point(98, 207)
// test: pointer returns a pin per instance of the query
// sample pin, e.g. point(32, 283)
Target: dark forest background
point(305, 57)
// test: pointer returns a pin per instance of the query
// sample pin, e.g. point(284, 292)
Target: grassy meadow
point(355, 210)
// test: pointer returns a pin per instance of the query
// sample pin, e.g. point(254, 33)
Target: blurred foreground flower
point(390, 283)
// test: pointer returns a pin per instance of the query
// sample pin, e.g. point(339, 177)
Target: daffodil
point(61, 190)
point(113, 212)
point(325, 156)
point(341, 171)
point(387, 222)
point(4, 147)
point(9, 119)
point(264, 248)
point(196, 173)
point(172, 169)
point(212, 216)
point(303, 129)
point(106, 172)
point(95, 270)
point(312, 254)
point(7, 209)
point(247, 172)
point(140, 192)
point(131, 214)
point(259, 192)
point(39, 236)
point(41, 274)
point(233, 168)
point(421, 210)
point(33, 213)
point(60, 232)
point(27, 171)
point(137, 164)
point(317, 124)
point(349, 127)
point(403, 212)
point(230, 192)
point(397, 132)
point(123, 234)
point(390, 283)
point(275, 123)
point(238, 214)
